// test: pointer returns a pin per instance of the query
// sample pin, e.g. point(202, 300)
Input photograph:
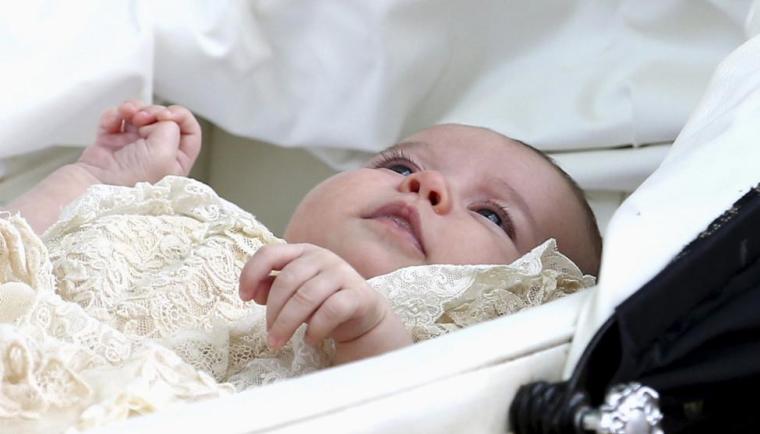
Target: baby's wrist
point(387, 335)
point(82, 174)
point(42, 204)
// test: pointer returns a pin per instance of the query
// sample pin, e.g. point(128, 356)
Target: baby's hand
point(317, 287)
point(138, 142)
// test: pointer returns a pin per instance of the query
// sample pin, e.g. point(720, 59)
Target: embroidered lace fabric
point(131, 305)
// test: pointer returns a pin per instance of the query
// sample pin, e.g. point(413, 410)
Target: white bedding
point(562, 75)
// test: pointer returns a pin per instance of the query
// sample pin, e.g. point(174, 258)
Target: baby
point(449, 194)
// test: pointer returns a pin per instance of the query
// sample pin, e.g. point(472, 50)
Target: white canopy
point(333, 76)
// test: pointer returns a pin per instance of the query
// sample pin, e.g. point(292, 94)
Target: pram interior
point(465, 381)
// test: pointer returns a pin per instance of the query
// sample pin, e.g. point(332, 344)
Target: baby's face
point(450, 194)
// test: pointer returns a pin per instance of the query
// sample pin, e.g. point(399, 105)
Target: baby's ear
point(593, 250)
point(589, 259)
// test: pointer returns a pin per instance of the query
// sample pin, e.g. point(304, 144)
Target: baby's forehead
point(451, 138)
point(491, 158)
point(482, 149)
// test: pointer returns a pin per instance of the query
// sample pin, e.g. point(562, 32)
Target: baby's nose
point(430, 185)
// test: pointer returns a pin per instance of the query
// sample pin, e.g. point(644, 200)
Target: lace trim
point(436, 299)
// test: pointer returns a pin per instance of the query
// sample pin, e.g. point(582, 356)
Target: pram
point(470, 388)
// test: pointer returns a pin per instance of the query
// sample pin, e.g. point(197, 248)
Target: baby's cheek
point(478, 247)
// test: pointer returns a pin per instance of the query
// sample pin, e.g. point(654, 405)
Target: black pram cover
point(692, 333)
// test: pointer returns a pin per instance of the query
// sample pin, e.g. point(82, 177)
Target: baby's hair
point(592, 228)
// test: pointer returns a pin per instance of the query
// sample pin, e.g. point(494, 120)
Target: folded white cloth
point(324, 74)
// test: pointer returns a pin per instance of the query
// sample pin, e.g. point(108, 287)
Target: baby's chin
point(368, 255)
point(371, 260)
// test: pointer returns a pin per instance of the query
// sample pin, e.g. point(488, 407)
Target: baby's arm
point(135, 143)
point(316, 287)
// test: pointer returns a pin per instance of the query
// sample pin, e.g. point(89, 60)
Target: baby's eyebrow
point(406, 145)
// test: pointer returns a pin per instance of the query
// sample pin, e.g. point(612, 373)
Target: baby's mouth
point(404, 220)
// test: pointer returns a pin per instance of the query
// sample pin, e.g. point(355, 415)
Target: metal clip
point(628, 409)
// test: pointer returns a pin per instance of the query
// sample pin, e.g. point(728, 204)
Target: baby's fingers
point(338, 309)
point(188, 124)
point(129, 107)
point(255, 273)
point(190, 130)
point(150, 114)
point(299, 307)
point(127, 111)
point(159, 134)
point(111, 121)
point(292, 277)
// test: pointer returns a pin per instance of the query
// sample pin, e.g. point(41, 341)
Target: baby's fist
point(137, 142)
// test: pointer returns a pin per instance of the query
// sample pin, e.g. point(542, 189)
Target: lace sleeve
point(436, 299)
point(162, 262)
point(59, 367)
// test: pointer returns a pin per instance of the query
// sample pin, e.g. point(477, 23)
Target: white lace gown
point(130, 305)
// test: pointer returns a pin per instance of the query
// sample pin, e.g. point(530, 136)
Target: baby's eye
point(401, 169)
point(499, 216)
point(395, 159)
point(490, 215)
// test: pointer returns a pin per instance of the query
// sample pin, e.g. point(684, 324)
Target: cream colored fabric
point(61, 367)
point(127, 269)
